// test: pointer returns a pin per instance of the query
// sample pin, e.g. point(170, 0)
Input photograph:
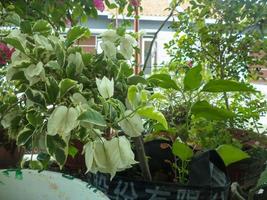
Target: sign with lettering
point(124, 189)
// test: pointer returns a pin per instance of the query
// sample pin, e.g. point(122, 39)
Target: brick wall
point(88, 45)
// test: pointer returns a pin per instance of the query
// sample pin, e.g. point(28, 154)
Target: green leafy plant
point(67, 94)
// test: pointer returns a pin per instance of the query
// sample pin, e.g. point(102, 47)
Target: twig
point(156, 34)
point(140, 150)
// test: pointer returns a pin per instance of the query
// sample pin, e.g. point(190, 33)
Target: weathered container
point(31, 185)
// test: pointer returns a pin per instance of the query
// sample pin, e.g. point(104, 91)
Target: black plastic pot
point(246, 172)
point(212, 183)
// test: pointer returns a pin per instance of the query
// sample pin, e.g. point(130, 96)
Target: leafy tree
point(220, 35)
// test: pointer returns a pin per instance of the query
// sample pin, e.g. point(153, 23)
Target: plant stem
point(141, 155)
point(155, 36)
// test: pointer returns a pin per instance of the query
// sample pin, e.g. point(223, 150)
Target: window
point(88, 44)
point(152, 60)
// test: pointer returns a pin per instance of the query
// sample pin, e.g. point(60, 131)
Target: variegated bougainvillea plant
point(66, 94)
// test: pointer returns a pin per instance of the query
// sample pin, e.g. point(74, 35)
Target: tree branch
point(156, 34)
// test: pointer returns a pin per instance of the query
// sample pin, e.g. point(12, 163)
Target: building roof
point(154, 8)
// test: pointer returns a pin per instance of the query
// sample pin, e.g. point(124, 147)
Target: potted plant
point(10, 154)
point(68, 95)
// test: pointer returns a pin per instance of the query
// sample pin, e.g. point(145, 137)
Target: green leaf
point(35, 73)
point(43, 42)
point(193, 78)
point(36, 97)
point(21, 63)
point(35, 165)
point(18, 76)
point(16, 43)
point(34, 118)
point(78, 98)
point(52, 90)
point(44, 158)
point(60, 54)
point(53, 65)
point(157, 96)
point(24, 136)
point(72, 151)
point(125, 70)
point(132, 95)
point(110, 5)
point(182, 150)
point(57, 148)
point(8, 118)
point(204, 109)
point(163, 81)
point(42, 26)
point(66, 85)
point(262, 182)
point(151, 113)
point(231, 154)
point(93, 117)
point(134, 80)
point(76, 33)
point(226, 86)
point(26, 27)
point(13, 18)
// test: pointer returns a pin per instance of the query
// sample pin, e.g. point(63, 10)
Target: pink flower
point(99, 5)
point(5, 53)
point(135, 3)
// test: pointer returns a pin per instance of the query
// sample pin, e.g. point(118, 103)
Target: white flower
point(131, 39)
point(109, 49)
point(132, 125)
point(62, 121)
point(126, 46)
point(109, 156)
point(110, 35)
point(105, 87)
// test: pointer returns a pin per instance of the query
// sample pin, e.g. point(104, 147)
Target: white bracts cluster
point(109, 156)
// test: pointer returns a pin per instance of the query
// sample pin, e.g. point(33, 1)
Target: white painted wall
point(163, 37)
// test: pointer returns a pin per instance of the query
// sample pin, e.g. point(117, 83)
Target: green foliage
point(93, 117)
point(262, 180)
point(15, 42)
point(66, 85)
point(219, 36)
point(42, 27)
point(58, 93)
point(231, 154)
point(226, 86)
point(151, 113)
point(193, 78)
point(24, 136)
point(57, 148)
point(204, 109)
point(163, 81)
point(182, 150)
point(76, 33)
